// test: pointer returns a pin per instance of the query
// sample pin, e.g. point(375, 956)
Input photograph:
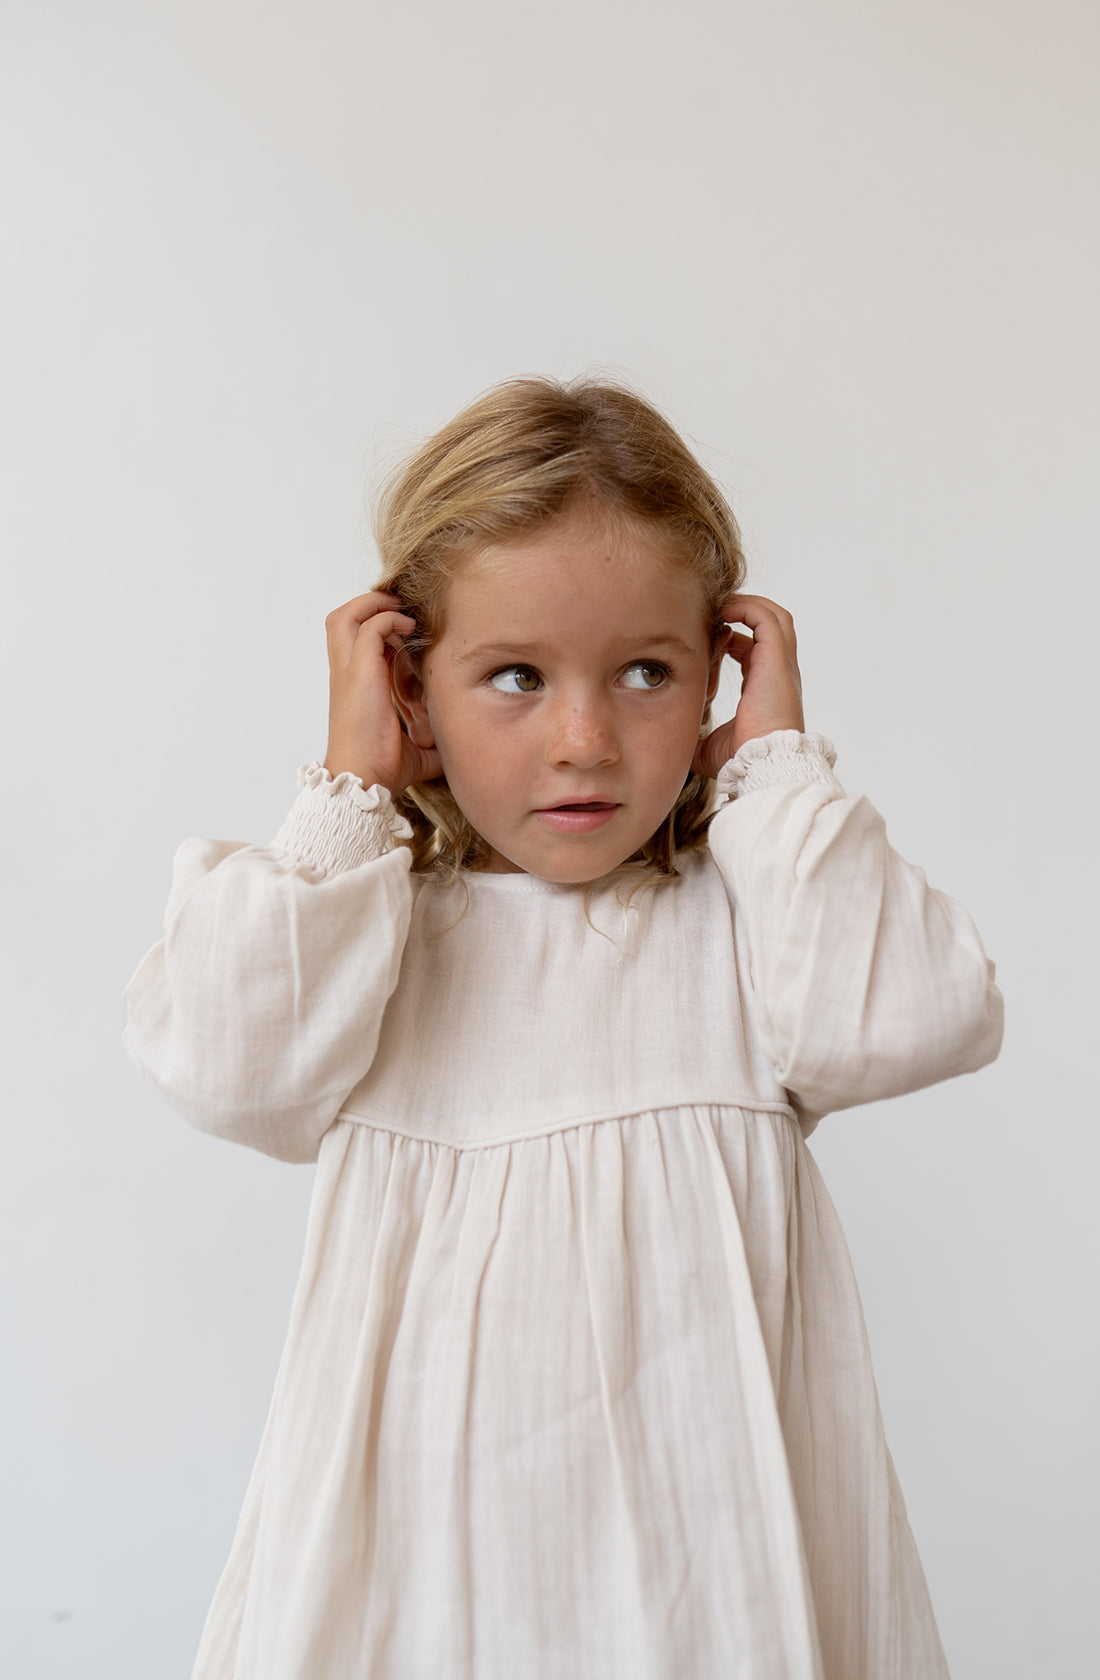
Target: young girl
point(576, 1385)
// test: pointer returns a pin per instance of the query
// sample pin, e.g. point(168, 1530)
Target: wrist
point(782, 758)
point(338, 764)
point(335, 824)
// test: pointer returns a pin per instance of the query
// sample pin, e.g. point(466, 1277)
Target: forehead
point(571, 570)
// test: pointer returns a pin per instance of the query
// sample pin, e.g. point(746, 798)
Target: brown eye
point(652, 673)
point(516, 679)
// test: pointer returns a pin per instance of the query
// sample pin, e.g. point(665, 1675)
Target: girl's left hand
point(771, 685)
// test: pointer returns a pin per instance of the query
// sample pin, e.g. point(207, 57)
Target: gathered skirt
point(590, 1404)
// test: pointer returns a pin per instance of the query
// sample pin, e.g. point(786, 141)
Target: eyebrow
point(533, 649)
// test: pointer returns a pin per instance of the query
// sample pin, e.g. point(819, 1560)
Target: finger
point(745, 609)
point(739, 647)
point(362, 607)
point(375, 634)
point(342, 624)
point(766, 619)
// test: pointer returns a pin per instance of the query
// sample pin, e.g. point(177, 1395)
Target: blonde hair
point(527, 452)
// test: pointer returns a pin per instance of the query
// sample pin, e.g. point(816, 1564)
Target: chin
point(575, 874)
point(571, 861)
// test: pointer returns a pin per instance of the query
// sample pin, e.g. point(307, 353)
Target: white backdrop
point(850, 247)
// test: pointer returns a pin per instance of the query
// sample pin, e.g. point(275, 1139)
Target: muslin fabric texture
point(576, 1384)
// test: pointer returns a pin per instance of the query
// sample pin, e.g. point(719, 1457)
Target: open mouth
point(581, 817)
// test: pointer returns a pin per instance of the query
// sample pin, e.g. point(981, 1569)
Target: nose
point(582, 736)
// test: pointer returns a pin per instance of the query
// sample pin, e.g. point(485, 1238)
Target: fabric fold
point(603, 1395)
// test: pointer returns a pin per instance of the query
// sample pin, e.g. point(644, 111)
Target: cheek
point(462, 738)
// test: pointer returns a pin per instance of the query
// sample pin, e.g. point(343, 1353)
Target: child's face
point(572, 667)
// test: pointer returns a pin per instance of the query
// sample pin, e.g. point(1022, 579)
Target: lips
point(578, 816)
point(582, 805)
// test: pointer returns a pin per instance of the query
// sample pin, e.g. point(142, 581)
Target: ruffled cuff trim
point(778, 760)
point(336, 823)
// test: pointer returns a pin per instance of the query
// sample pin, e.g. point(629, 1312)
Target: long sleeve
point(866, 981)
point(260, 1009)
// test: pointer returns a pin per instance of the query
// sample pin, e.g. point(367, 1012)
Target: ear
point(408, 696)
point(717, 658)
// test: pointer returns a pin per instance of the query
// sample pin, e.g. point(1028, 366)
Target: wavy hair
point(525, 453)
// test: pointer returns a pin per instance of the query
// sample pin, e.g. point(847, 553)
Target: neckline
point(516, 880)
point(521, 880)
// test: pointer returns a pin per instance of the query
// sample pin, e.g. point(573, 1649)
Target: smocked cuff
point(778, 760)
point(336, 823)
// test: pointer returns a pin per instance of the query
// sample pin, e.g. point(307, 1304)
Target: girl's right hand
point(364, 729)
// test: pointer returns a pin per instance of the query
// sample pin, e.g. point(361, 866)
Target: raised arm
point(260, 1009)
point(866, 981)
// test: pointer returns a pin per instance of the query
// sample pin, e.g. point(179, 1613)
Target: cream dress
point(576, 1384)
